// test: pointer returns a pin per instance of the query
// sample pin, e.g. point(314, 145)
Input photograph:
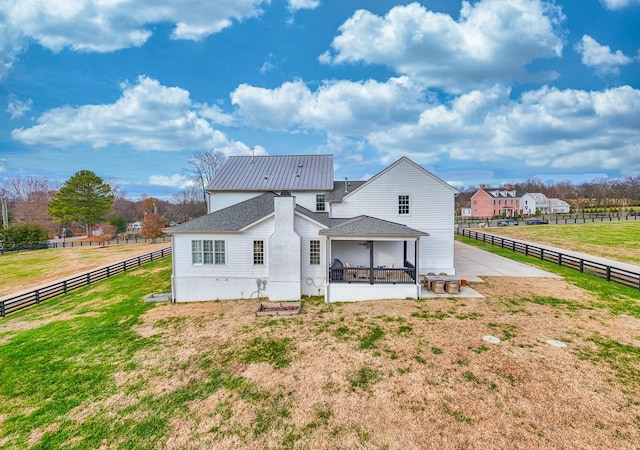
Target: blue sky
point(488, 91)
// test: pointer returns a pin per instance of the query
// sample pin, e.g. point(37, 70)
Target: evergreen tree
point(83, 198)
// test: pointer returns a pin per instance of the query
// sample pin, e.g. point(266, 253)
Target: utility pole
point(5, 213)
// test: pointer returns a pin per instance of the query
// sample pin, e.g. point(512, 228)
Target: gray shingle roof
point(236, 217)
point(338, 192)
point(233, 218)
point(275, 173)
point(371, 226)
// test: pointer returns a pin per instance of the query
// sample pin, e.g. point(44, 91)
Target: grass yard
point(24, 270)
point(615, 240)
point(100, 368)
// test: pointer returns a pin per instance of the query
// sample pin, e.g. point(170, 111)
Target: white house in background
point(538, 202)
point(281, 227)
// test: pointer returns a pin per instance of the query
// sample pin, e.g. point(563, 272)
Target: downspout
point(371, 263)
point(173, 268)
point(328, 266)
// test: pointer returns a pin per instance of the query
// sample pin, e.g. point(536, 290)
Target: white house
point(531, 203)
point(281, 227)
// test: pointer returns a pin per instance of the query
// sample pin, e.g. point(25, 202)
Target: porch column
point(417, 260)
point(371, 263)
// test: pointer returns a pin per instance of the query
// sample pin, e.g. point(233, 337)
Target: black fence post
point(37, 296)
point(2, 313)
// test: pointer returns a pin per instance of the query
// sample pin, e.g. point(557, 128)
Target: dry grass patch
point(398, 374)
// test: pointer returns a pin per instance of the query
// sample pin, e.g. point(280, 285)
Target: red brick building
point(492, 202)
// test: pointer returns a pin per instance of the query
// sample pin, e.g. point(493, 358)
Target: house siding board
point(431, 209)
point(275, 173)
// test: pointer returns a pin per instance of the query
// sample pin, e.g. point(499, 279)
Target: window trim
point(205, 252)
point(258, 253)
point(315, 252)
point(404, 203)
point(320, 202)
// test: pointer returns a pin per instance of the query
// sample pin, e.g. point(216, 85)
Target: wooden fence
point(21, 301)
point(610, 273)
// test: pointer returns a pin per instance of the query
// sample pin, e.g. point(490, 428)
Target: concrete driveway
point(472, 263)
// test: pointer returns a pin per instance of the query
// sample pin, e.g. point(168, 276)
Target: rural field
point(100, 368)
point(24, 270)
point(615, 240)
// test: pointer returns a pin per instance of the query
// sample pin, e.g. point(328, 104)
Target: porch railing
point(401, 275)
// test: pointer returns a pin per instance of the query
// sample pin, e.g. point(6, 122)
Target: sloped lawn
point(102, 369)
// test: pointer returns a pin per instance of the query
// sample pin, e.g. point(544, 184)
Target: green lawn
point(615, 240)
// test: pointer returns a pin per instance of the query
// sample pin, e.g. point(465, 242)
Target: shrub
point(24, 235)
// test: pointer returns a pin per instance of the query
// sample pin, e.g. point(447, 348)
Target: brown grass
point(65, 262)
point(430, 381)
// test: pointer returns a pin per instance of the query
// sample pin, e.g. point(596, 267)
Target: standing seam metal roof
point(274, 173)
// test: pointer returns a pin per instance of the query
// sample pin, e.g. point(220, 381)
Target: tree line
point(37, 210)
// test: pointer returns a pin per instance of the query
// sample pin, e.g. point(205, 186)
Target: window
point(219, 254)
point(314, 252)
point(320, 202)
point(403, 204)
point(196, 252)
point(207, 252)
point(258, 252)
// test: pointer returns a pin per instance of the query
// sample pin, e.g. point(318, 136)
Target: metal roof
point(371, 226)
point(275, 173)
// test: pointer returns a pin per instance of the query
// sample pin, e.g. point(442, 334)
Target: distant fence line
point(610, 273)
point(36, 296)
point(62, 243)
point(559, 219)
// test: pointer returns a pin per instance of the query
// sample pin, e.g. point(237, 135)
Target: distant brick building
point(491, 202)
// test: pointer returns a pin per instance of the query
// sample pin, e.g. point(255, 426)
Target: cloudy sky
point(487, 91)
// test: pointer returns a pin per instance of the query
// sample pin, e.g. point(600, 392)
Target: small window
point(403, 204)
point(320, 206)
point(219, 252)
point(258, 252)
point(314, 252)
point(196, 252)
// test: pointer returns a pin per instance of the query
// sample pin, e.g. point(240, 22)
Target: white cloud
point(567, 129)
point(492, 41)
point(105, 26)
point(600, 57)
point(345, 107)
point(17, 108)
point(147, 116)
point(295, 5)
point(619, 4)
point(176, 181)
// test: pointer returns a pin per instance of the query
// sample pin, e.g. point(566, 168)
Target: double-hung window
point(403, 204)
point(314, 252)
point(320, 205)
point(258, 252)
point(207, 252)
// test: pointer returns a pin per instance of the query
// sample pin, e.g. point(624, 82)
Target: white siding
point(432, 210)
point(224, 199)
point(313, 277)
point(237, 278)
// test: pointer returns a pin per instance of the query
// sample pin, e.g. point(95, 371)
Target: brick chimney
point(507, 187)
point(482, 186)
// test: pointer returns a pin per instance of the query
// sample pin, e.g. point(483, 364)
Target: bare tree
point(202, 166)
point(186, 205)
point(28, 198)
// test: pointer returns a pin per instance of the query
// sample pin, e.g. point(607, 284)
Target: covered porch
point(370, 259)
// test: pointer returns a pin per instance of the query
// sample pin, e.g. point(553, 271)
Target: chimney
point(346, 185)
point(482, 186)
point(284, 251)
point(507, 187)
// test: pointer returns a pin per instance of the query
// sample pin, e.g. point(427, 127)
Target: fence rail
point(610, 273)
point(21, 301)
point(67, 243)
